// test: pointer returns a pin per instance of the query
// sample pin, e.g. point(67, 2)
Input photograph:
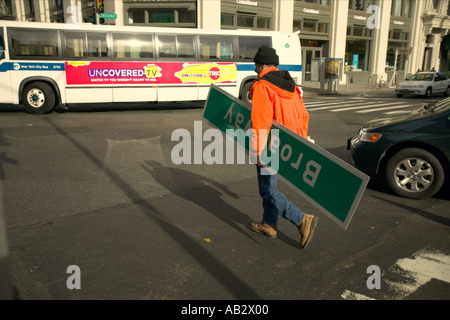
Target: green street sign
point(327, 182)
point(108, 15)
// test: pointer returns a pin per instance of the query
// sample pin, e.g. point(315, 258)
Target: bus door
point(5, 87)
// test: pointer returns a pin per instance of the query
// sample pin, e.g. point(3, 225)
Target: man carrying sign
point(275, 96)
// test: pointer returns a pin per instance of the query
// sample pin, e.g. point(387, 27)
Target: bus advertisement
point(85, 72)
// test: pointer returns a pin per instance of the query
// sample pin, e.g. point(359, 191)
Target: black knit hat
point(266, 55)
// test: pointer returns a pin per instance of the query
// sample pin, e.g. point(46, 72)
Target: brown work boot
point(265, 229)
point(306, 229)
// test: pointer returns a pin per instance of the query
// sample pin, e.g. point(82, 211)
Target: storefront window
point(136, 16)
point(390, 57)
point(29, 10)
point(358, 31)
point(309, 25)
point(360, 5)
point(161, 16)
point(227, 20)
point(186, 16)
point(398, 43)
point(323, 27)
point(357, 55)
point(263, 23)
point(321, 2)
point(247, 14)
point(436, 4)
point(56, 11)
point(245, 21)
point(165, 13)
point(6, 10)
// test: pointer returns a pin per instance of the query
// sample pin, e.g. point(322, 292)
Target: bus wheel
point(245, 94)
point(38, 98)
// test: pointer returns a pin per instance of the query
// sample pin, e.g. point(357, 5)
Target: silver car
point(424, 84)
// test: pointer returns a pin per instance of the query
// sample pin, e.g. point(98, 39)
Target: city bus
point(44, 66)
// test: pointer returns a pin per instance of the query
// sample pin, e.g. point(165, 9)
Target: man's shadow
point(200, 190)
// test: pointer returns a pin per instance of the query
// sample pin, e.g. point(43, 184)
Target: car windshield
point(421, 77)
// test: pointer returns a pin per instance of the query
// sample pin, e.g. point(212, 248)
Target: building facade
point(374, 38)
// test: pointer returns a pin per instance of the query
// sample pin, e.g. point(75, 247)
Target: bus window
point(186, 46)
point(26, 43)
point(2, 45)
point(216, 47)
point(80, 45)
point(75, 43)
point(167, 46)
point(97, 46)
point(176, 46)
point(248, 46)
point(132, 46)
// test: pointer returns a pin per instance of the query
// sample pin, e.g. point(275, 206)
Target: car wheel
point(414, 173)
point(428, 92)
point(399, 95)
point(447, 92)
point(38, 98)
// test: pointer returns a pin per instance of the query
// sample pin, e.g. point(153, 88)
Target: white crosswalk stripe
point(358, 105)
point(407, 276)
point(365, 106)
point(388, 108)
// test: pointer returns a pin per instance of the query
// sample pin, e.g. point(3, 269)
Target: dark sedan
point(412, 151)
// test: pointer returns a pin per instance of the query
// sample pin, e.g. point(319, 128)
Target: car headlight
point(369, 136)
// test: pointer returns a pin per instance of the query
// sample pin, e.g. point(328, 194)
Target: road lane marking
point(329, 106)
point(365, 106)
point(395, 107)
point(350, 295)
point(415, 272)
point(420, 270)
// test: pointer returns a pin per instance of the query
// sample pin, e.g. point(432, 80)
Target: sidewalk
point(351, 89)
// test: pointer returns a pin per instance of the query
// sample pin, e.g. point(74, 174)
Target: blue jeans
point(275, 203)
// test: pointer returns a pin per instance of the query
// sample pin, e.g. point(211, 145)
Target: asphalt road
point(98, 190)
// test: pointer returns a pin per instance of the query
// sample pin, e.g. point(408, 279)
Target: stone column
point(338, 34)
point(208, 14)
point(284, 15)
point(380, 39)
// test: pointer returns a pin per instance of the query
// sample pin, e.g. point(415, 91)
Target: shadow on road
point(230, 281)
point(200, 190)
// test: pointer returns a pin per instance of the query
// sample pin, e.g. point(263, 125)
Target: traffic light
point(100, 6)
